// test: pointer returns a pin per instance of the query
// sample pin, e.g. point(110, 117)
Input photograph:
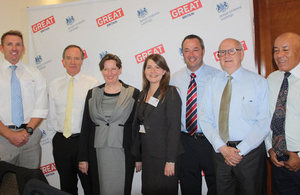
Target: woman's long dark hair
point(164, 82)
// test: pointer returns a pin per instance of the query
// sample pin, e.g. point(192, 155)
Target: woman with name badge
point(157, 129)
point(106, 134)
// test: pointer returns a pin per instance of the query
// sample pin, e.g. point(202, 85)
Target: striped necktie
point(191, 106)
point(68, 116)
point(278, 119)
point(224, 111)
point(16, 98)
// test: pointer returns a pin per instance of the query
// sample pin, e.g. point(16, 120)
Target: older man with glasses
point(235, 119)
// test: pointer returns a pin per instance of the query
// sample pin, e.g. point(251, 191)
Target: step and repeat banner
point(131, 29)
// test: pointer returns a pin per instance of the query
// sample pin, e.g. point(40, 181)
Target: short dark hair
point(192, 36)
point(73, 46)
point(110, 56)
point(12, 32)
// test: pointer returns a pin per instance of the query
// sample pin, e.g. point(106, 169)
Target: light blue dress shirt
point(249, 116)
point(181, 79)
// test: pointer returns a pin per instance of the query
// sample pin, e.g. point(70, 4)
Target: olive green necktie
point(68, 116)
point(224, 111)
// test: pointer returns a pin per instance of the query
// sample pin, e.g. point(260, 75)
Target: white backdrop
point(132, 29)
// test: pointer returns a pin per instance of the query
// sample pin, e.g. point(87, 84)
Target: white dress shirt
point(292, 119)
point(58, 92)
point(249, 118)
point(34, 92)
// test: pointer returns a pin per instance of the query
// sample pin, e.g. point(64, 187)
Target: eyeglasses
point(229, 51)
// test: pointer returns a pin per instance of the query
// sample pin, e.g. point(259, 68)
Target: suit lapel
point(149, 107)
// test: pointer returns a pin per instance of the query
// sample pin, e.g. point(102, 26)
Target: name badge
point(153, 101)
point(142, 129)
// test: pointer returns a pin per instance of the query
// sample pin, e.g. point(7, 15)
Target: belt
point(72, 136)
point(23, 126)
point(195, 135)
point(233, 143)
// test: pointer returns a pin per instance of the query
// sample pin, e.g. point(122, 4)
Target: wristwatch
point(29, 130)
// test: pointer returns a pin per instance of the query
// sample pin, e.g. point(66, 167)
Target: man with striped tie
point(23, 103)
point(190, 82)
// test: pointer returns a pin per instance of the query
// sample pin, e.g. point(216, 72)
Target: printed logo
point(143, 55)
point(141, 13)
point(72, 24)
point(102, 54)
point(145, 16)
point(48, 169)
point(38, 59)
point(180, 51)
point(186, 9)
point(222, 7)
point(70, 20)
point(225, 10)
point(47, 136)
point(110, 18)
point(85, 54)
point(216, 56)
point(43, 25)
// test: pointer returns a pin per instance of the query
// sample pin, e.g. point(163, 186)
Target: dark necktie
point(191, 106)
point(224, 111)
point(16, 98)
point(278, 120)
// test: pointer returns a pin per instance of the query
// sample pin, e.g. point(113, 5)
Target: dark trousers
point(197, 157)
point(285, 182)
point(65, 151)
point(247, 178)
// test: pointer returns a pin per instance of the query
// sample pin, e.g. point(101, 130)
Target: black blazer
point(162, 125)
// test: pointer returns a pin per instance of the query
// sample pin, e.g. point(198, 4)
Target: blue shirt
point(249, 116)
point(181, 80)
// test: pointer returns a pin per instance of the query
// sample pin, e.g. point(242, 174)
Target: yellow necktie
point(68, 116)
point(224, 111)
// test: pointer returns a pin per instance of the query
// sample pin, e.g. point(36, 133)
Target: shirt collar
point(76, 77)
point(296, 71)
point(236, 75)
point(7, 64)
point(197, 72)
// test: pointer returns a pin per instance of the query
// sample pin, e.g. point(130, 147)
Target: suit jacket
point(162, 127)
point(97, 132)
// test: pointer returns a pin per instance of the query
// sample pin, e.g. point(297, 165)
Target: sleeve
point(41, 100)
point(51, 121)
point(173, 113)
point(136, 142)
point(87, 131)
point(207, 117)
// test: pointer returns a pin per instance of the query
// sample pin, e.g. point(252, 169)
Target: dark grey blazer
point(162, 125)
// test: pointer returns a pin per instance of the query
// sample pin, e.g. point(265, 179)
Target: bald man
point(286, 162)
point(235, 119)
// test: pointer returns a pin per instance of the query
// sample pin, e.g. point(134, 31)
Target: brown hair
point(12, 32)
point(110, 57)
point(164, 82)
point(73, 46)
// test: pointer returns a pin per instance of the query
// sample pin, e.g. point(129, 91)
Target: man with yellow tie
point(23, 105)
point(235, 119)
point(66, 98)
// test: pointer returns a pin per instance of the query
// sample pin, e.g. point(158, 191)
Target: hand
point(18, 138)
point(138, 166)
point(169, 169)
point(231, 155)
point(293, 164)
point(83, 167)
point(274, 160)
